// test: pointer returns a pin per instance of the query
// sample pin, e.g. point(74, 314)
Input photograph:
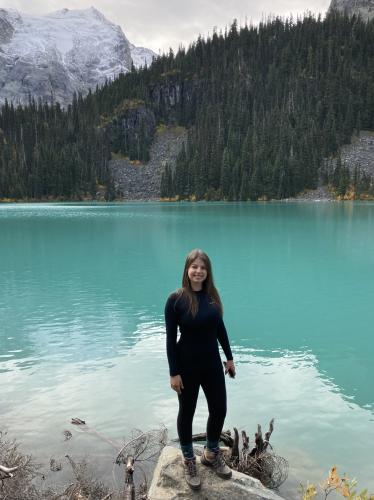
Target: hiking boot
point(216, 460)
point(191, 474)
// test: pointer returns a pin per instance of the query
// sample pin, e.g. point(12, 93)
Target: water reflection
point(77, 279)
point(131, 390)
point(82, 297)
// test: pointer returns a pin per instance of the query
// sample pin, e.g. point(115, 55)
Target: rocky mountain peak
point(363, 7)
point(66, 51)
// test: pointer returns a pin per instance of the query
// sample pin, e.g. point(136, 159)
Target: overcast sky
point(160, 24)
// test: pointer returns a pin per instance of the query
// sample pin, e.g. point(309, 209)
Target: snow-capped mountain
point(54, 55)
point(363, 7)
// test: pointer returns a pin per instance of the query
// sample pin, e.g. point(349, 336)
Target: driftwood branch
point(268, 434)
point(224, 437)
point(109, 495)
point(142, 447)
point(90, 430)
point(257, 462)
point(259, 441)
point(119, 457)
point(235, 446)
point(245, 440)
point(8, 471)
point(129, 490)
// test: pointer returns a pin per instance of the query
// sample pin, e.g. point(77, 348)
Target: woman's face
point(197, 273)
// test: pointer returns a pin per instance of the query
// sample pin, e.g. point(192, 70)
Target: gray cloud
point(161, 24)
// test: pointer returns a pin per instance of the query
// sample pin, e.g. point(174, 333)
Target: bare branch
point(224, 437)
point(235, 447)
point(245, 439)
point(84, 427)
point(268, 434)
point(8, 470)
point(107, 496)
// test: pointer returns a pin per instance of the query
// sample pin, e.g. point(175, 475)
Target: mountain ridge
point(61, 53)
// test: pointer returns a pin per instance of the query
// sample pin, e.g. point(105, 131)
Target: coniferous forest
point(264, 106)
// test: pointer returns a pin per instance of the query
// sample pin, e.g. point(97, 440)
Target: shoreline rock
point(168, 482)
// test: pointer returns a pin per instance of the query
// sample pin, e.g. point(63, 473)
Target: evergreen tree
point(266, 106)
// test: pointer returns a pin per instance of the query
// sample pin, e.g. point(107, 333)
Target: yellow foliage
point(341, 485)
point(123, 106)
point(118, 156)
point(171, 72)
point(161, 128)
point(350, 195)
point(170, 198)
point(128, 104)
point(366, 197)
point(177, 130)
point(309, 492)
point(332, 480)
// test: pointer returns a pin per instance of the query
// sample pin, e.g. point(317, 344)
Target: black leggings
point(212, 380)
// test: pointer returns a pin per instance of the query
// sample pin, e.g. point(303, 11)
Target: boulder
point(168, 482)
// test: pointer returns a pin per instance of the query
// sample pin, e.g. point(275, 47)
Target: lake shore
point(322, 193)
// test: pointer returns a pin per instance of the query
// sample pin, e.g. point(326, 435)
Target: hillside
point(267, 108)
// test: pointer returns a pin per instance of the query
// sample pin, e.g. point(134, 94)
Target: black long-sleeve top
point(198, 336)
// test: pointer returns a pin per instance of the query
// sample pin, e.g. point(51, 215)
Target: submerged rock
point(168, 482)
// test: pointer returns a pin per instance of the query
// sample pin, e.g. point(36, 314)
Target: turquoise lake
point(82, 294)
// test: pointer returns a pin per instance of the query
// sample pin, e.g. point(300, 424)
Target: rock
point(52, 56)
point(168, 482)
point(6, 30)
point(173, 90)
point(359, 154)
point(131, 121)
point(363, 7)
point(319, 194)
point(141, 181)
point(173, 95)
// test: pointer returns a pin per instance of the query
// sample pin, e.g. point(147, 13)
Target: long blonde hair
point(186, 291)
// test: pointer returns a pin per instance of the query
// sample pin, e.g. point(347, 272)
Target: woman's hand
point(230, 368)
point(176, 383)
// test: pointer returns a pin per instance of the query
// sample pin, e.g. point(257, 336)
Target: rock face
point(66, 51)
point(171, 95)
point(169, 484)
point(357, 155)
point(171, 92)
point(6, 30)
point(363, 7)
point(142, 181)
point(360, 153)
point(132, 126)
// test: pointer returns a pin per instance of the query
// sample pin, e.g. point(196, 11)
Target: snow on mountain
point(363, 7)
point(54, 55)
point(141, 56)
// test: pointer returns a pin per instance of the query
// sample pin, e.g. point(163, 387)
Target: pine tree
point(225, 183)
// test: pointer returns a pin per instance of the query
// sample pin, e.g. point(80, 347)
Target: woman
point(195, 361)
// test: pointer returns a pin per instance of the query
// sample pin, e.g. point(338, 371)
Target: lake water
point(82, 294)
